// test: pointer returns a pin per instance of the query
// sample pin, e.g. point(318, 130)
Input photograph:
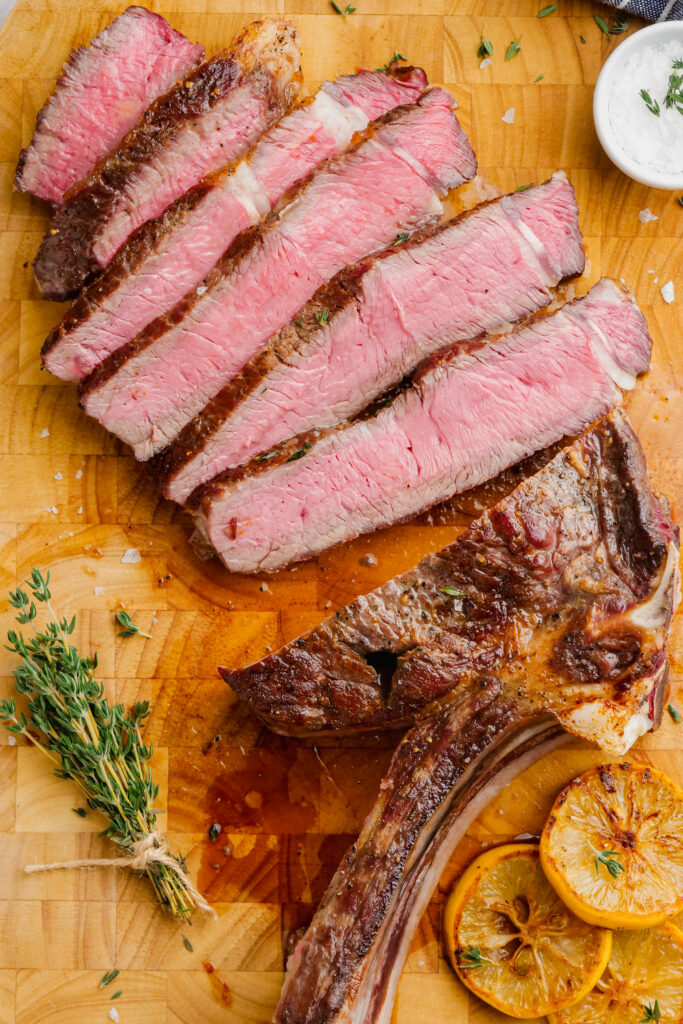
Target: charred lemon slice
point(513, 942)
point(613, 846)
point(643, 982)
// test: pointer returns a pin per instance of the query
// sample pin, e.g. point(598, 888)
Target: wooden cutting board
point(73, 501)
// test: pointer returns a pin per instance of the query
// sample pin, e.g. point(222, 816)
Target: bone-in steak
point(208, 120)
point(357, 203)
point(168, 256)
point(564, 593)
point(564, 587)
point(128, 65)
point(470, 413)
point(494, 265)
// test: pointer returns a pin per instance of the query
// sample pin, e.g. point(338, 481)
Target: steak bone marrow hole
point(165, 258)
point(357, 203)
point(563, 591)
point(366, 330)
point(206, 121)
point(590, 510)
point(132, 62)
point(471, 411)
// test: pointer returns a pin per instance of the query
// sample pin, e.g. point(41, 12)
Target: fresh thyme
point(485, 48)
point(523, 188)
point(392, 60)
point(402, 237)
point(129, 627)
point(547, 10)
point(680, 200)
point(538, 78)
point(117, 994)
point(609, 859)
point(80, 811)
point(343, 11)
point(214, 831)
point(109, 977)
point(322, 316)
point(513, 49)
point(651, 1013)
point(674, 94)
point(187, 944)
point(95, 744)
point(451, 591)
point(615, 29)
point(470, 958)
point(651, 104)
point(300, 452)
point(673, 711)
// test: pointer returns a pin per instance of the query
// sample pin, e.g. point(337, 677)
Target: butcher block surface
point(73, 501)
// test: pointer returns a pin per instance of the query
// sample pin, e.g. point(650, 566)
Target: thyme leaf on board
point(609, 859)
point(322, 316)
point(651, 104)
point(109, 977)
point(472, 957)
point(674, 712)
point(513, 49)
point(523, 188)
point(485, 48)
point(96, 744)
point(343, 11)
point(615, 29)
point(538, 78)
point(394, 59)
point(651, 1013)
point(547, 10)
point(129, 627)
point(187, 944)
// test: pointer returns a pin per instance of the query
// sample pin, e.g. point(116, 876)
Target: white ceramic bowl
point(612, 68)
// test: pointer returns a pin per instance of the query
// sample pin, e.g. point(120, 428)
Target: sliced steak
point(167, 257)
point(496, 264)
point(206, 121)
point(539, 593)
point(357, 203)
point(102, 91)
point(471, 412)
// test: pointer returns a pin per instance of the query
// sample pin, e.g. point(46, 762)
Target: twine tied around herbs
point(144, 854)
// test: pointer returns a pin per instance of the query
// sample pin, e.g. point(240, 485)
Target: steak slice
point(167, 257)
point(570, 583)
point(539, 593)
point(470, 413)
point(102, 91)
point(204, 122)
point(495, 264)
point(357, 203)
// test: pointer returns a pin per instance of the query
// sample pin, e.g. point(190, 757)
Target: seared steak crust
point(346, 967)
point(67, 257)
point(539, 592)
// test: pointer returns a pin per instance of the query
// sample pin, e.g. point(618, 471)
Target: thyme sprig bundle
point(96, 744)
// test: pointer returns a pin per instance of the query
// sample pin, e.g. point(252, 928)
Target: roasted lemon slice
point(513, 942)
point(643, 982)
point(613, 846)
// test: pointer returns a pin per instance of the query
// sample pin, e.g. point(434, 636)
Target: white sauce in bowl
point(654, 143)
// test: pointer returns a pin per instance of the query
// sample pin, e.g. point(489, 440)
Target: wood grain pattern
point(73, 501)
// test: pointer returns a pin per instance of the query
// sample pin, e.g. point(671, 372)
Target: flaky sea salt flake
point(509, 116)
point(79, 474)
point(486, 63)
point(45, 433)
point(645, 216)
point(667, 291)
point(131, 556)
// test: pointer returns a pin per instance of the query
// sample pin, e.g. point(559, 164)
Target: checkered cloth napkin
point(653, 10)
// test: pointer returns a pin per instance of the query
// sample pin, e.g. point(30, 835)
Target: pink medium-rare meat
point(206, 121)
point(494, 265)
point(470, 413)
point(170, 255)
point(542, 585)
point(102, 91)
point(357, 203)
